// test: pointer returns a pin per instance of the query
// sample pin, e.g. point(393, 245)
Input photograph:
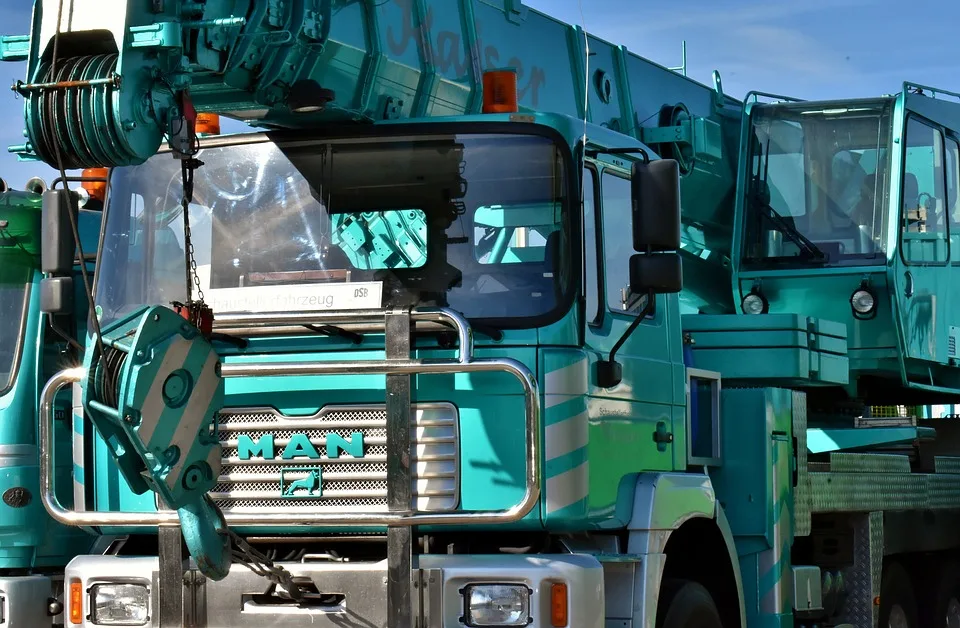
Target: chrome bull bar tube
point(464, 364)
point(296, 319)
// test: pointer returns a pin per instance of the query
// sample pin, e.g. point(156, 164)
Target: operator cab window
point(923, 209)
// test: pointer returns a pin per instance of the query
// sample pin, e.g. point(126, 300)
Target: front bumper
point(360, 600)
point(25, 602)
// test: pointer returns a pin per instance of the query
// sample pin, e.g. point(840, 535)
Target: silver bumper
point(24, 602)
point(360, 589)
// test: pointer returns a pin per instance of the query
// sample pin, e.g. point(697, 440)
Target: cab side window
point(592, 265)
point(618, 243)
point(924, 203)
point(953, 180)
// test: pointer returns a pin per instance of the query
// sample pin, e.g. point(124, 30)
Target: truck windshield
point(475, 222)
point(818, 183)
point(12, 311)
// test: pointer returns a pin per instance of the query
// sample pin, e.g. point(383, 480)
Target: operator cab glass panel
point(928, 193)
point(476, 222)
point(818, 184)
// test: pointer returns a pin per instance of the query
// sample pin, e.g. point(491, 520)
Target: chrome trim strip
point(299, 319)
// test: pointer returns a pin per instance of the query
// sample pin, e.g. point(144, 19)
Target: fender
point(724, 525)
point(663, 502)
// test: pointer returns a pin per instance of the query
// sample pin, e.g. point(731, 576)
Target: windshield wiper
point(789, 230)
point(757, 183)
point(490, 332)
point(239, 343)
point(336, 332)
point(447, 338)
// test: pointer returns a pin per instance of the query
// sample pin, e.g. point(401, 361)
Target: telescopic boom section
point(117, 84)
point(129, 74)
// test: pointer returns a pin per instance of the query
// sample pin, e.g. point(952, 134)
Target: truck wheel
point(946, 607)
point(898, 606)
point(687, 604)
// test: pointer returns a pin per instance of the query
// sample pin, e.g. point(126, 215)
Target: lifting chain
point(259, 564)
point(188, 166)
point(199, 314)
point(194, 310)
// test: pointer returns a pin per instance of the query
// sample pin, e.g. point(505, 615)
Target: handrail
point(342, 317)
point(465, 364)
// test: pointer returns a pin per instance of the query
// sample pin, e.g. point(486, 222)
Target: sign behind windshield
point(312, 297)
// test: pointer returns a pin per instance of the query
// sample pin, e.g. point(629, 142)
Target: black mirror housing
point(655, 191)
point(58, 247)
point(56, 295)
point(659, 273)
point(656, 269)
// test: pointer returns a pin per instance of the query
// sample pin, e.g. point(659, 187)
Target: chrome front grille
point(347, 483)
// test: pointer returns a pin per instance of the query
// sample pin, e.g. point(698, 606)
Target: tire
point(945, 610)
point(897, 601)
point(686, 604)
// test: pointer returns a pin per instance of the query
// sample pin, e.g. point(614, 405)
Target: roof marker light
point(500, 91)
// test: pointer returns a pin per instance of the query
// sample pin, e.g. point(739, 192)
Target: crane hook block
point(153, 394)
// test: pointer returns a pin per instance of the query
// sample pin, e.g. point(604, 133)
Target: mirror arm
point(609, 371)
point(65, 335)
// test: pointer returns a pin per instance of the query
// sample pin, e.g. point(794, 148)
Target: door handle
point(908, 284)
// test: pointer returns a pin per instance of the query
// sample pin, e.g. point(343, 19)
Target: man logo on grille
point(311, 483)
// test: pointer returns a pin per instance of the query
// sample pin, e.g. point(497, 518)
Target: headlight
point(119, 604)
point(753, 303)
point(863, 301)
point(497, 605)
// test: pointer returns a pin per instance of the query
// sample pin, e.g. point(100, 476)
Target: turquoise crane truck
point(34, 548)
point(399, 360)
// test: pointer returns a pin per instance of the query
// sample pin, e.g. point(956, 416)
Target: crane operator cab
point(848, 210)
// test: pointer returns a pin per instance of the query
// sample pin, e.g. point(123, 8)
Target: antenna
point(683, 59)
point(586, 73)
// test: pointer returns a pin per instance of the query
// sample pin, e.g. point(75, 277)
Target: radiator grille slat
point(347, 484)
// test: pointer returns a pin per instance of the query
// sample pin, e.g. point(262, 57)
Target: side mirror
point(56, 295)
point(655, 192)
point(57, 252)
point(658, 273)
point(656, 268)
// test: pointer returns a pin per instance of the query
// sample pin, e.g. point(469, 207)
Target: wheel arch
point(702, 549)
point(683, 532)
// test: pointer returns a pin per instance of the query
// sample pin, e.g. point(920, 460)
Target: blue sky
point(811, 49)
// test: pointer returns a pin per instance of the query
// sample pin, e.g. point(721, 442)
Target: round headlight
point(753, 304)
point(863, 301)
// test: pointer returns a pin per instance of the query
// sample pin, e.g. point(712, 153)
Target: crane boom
point(128, 74)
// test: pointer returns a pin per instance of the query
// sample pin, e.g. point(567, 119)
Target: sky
point(811, 49)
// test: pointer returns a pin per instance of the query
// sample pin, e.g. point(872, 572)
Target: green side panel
point(19, 225)
point(755, 484)
point(775, 349)
point(821, 440)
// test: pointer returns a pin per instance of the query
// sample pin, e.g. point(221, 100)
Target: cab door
point(923, 280)
point(635, 421)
